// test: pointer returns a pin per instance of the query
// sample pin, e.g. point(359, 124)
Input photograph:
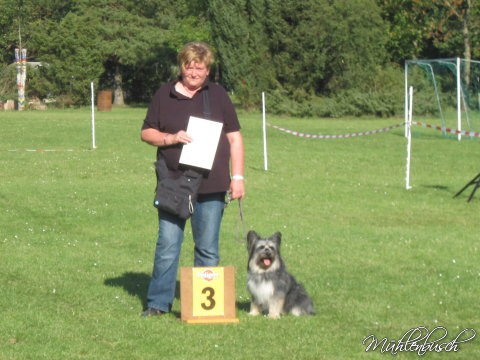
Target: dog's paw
point(297, 312)
point(255, 309)
point(274, 315)
point(254, 312)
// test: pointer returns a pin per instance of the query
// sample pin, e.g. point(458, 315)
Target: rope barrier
point(377, 131)
point(448, 130)
point(45, 150)
point(339, 136)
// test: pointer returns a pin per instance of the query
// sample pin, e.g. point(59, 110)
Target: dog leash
point(241, 223)
point(240, 228)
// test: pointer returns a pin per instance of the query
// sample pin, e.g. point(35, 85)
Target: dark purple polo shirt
point(169, 112)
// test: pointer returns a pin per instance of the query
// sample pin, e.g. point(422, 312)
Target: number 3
point(211, 293)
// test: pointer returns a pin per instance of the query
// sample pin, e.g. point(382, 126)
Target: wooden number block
point(208, 294)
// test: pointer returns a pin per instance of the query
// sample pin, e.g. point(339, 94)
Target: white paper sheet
point(201, 151)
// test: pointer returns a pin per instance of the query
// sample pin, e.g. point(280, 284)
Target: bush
point(382, 97)
point(8, 83)
point(282, 102)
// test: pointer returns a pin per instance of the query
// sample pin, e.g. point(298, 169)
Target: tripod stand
point(476, 182)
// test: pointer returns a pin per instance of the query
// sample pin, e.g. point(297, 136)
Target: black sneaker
point(152, 312)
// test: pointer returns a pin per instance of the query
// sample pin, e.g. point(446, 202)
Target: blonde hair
point(196, 51)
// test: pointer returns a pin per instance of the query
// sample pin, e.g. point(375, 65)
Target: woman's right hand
point(180, 137)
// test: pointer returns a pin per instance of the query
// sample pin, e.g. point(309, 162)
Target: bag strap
point(206, 104)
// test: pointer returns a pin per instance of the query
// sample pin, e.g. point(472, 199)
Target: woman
point(164, 127)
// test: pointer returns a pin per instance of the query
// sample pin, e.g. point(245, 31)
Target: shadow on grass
point(465, 192)
point(136, 284)
point(243, 306)
point(437, 187)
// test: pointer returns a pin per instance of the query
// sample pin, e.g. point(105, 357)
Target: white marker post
point(93, 117)
point(459, 101)
point(409, 138)
point(265, 161)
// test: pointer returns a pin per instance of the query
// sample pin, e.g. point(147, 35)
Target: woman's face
point(194, 75)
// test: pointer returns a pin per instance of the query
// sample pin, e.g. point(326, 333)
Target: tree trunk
point(118, 91)
point(467, 43)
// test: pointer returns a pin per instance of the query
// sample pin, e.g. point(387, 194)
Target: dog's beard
point(260, 263)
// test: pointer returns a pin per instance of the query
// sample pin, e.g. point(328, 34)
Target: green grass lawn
point(78, 230)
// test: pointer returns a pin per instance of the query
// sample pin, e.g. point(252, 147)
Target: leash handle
point(241, 223)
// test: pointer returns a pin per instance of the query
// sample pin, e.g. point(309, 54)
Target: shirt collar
point(176, 94)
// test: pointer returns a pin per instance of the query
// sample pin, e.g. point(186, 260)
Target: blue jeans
point(205, 222)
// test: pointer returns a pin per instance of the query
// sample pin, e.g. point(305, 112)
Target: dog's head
point(264, 253)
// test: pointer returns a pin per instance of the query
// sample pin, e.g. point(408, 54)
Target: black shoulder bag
point(179, 196)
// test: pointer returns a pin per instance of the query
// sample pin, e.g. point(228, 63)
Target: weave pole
point(94, 146)
point(265, 161)
point(409, 138)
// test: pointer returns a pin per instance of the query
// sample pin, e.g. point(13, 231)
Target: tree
point(126, 45)
point(441, 28)
point(296, 43)
point(322, 46)
point(407, 29)
point(296, 49)
point(450, 24)
point(20, 20)
point(432, 28)
point(452, 27)
point(68, 49)
point(356, 45)
point(238, 36)
point(124, 36)
point(8, 30)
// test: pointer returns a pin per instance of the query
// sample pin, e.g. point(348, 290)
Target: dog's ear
point(277, 238)
point(252, 236)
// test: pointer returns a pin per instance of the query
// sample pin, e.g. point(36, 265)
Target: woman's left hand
point(237, 189)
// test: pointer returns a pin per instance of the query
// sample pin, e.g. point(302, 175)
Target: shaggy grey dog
point(273, 289)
